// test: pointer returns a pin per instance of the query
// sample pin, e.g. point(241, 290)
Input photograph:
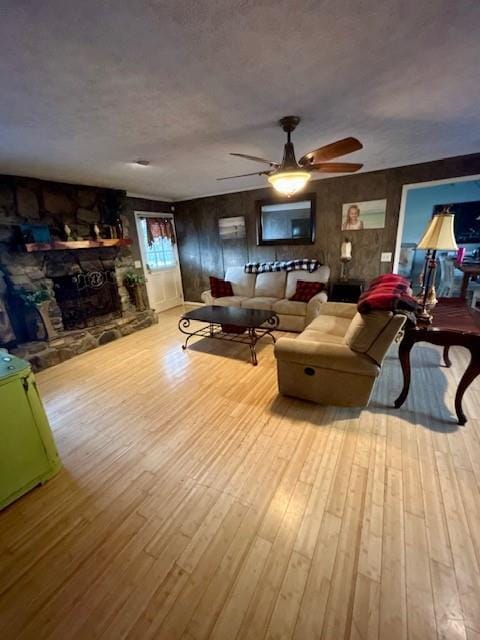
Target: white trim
point(176, 267)
point(194, 304)
point(403, 203)
point(144, 196)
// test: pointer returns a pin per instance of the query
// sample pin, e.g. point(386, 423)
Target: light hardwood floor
point(196, 503)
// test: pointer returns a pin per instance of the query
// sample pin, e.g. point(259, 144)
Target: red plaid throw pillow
point(306, 290)
point(220, 288)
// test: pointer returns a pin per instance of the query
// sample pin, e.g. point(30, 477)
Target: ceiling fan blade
point(335, 167)
point(242, 175)
point(330, 151)
point(256, 159)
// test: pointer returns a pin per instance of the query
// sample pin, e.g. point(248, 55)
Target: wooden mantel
point(59, 245)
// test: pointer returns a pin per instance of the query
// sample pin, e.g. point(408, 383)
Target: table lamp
point(439, 236)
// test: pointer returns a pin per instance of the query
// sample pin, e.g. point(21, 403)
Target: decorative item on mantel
point(40, 300)
point(68, 233)
point(439, 235)
point(345, 257)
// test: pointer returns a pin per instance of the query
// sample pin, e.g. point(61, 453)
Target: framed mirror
point(288, 222)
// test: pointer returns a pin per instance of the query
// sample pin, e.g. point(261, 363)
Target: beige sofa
point(337, 359)
point(272, 291)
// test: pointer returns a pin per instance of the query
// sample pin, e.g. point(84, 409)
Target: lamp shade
point(439, 233)
point(289, 182)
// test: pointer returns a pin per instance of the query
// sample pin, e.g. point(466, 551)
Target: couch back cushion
point(271, 285)
point(373, 333)
point(243, 284)
point(320, 275)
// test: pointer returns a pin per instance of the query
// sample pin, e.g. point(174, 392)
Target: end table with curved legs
point(453, 325)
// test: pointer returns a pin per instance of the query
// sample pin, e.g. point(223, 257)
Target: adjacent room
point(240, 320)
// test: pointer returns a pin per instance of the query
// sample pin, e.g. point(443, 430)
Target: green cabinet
point(28, 455)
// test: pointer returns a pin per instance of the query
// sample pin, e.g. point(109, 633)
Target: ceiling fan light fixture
point(288, 183)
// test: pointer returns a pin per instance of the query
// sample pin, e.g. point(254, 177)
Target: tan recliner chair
point(337, 358)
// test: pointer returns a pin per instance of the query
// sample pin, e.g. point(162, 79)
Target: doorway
point(158, 248)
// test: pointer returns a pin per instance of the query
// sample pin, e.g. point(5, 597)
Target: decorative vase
point(137, 298)
point(43, 311)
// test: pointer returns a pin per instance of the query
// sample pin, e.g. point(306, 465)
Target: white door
point(160, 264)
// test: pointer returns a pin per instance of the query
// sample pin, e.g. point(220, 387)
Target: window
point(160, 253)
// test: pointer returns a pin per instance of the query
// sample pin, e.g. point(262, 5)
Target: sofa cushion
point(230, 301)
point(270, 285)
point(320, 275)
point(332, 325)
point(314, 335)
point(243, 284)
point(259, 303)
point(306, 290)
point(296, 324)
point(339, 309)
point(220, 288)
point(290, 308)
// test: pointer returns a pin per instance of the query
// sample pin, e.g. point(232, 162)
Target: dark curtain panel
point(160, 228)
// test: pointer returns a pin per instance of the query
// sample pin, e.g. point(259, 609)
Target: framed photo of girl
point(363, 215)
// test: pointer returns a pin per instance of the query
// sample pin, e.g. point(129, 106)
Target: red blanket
point(389, 292)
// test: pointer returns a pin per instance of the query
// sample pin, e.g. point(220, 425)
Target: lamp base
point(344, 270)
point(424, 316)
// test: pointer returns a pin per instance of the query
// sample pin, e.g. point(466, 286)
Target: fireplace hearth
point(86, 296)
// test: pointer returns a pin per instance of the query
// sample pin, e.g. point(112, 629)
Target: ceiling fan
point(290, 176)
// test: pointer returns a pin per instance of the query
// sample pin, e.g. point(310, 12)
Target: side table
point(346, 290)
point(454, 324)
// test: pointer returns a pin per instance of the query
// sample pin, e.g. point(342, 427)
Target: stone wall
point(24, 200)
point(32, 201)
point(46, 353)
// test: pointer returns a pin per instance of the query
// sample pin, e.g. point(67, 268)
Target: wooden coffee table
point(230, 324)
point(454, 324)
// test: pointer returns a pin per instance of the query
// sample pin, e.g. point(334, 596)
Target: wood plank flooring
point(196, 503)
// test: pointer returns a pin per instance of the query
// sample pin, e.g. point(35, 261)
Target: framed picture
point(231, 228)
point(363, 215)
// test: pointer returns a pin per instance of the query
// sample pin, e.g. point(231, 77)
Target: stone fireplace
point(88, 304)
point(86, 287)
point(85, 296)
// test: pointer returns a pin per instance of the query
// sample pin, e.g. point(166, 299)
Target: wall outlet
point(386, 256)
point(137, 264)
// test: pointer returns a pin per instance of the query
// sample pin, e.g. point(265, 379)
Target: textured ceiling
point(89, 86)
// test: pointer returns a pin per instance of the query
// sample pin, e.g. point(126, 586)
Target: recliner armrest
point(314, 305)
point(206, 297)
point(324, 355)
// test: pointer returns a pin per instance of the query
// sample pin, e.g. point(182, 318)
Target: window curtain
point(159, 228)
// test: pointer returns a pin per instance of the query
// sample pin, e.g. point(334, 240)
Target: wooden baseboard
point(194, 304)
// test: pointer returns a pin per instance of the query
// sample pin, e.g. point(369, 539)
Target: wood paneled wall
point(203, 254)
